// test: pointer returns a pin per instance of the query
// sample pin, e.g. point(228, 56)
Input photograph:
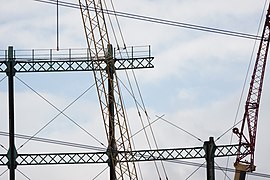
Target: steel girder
point(122, 156)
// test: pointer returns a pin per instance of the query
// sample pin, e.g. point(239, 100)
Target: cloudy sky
point(196, 83)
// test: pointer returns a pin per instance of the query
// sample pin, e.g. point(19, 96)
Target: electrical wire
point(161, 21)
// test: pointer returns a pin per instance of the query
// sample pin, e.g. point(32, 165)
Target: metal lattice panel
point(132, 156)
point(64, 158)
point(77, 65)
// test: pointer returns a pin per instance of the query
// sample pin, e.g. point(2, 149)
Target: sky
point(196, 83)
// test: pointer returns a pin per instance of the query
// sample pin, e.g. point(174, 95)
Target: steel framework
point(12, 62)
point(133, 156)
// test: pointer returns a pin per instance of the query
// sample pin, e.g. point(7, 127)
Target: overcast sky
point(196, 83)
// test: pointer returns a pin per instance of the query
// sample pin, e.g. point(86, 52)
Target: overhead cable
point(56, 142)
point(160, 21)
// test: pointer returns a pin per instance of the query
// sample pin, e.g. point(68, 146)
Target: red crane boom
point(245, 163)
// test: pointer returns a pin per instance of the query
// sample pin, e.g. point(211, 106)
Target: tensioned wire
point(118, 48)
point(172, 161)
point(131, 89)
point(66, 143)
point(23, 174)
point(56, 142)
point(60, 112)
point(132, 92)
point(159, 117)
point(195, 171)
point(161, 21)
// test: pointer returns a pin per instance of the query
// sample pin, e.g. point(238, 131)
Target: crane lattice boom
point(253, 100)
point(111, 104)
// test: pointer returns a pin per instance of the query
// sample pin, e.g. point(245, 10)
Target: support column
point(210, 148)
point(12, 150)
point(112, 149)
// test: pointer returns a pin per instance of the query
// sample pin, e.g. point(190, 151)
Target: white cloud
point(196, 81)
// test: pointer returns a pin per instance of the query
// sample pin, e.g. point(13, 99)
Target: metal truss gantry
point(12, 62)
point(134, 156)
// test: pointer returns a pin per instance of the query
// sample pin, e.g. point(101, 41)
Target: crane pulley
point(245, 163)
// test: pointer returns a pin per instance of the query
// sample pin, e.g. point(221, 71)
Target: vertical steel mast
point(12, 151)
point(107, 87)
point(244, 163)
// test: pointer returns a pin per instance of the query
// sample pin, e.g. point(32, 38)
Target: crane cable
point(118, 48)
point(139, 114)
point(118, 24)
point(111, 24)
point(131, 89)
point(163, 119)
point(132, 92)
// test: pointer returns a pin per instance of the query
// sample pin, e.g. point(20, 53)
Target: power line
point(160, 21)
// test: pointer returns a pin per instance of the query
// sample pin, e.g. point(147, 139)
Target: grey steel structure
point(12, 62)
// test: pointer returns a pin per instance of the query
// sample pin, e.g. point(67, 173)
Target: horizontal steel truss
point(141, 155)
point(82, 64)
